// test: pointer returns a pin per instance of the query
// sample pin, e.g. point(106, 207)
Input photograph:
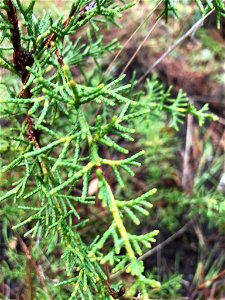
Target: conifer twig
point(22, 58)
point(65, 23)
point(74, 151)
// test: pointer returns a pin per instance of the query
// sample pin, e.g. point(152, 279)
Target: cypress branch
point(70, 134)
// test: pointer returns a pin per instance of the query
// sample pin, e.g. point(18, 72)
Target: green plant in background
point(64, 131)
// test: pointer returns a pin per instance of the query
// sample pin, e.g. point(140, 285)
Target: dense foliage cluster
point(62, 134)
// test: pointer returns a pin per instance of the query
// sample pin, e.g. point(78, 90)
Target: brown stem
point(111, 291)
point(33, 264)
point(32, 135)
point(59, 57)
point(12, 17)
point(21, 57)
point(211, 280)
point(29, 287)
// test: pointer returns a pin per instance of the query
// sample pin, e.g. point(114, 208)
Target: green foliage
point(170, 287)
point(66, 131)
point(210, 44)
point(178, 108)
point(204, 7)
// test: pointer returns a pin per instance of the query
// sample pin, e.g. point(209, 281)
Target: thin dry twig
point(167, 241)
point(160, 246)
point(211, 280)
point(187, 176)
point(130, 38)
point(179, 41)
point(140, 46)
